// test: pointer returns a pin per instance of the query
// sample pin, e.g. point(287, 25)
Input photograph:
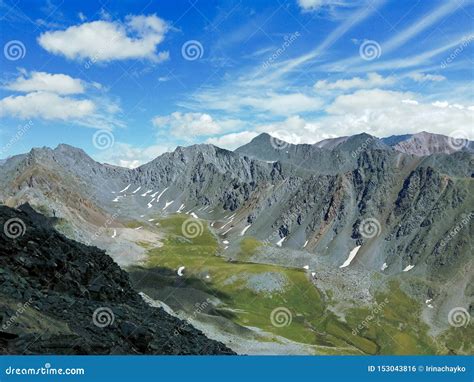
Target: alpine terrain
point(353, 245)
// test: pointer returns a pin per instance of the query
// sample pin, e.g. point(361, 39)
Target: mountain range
point(345, 222)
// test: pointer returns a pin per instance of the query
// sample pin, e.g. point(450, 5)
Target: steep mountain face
point(323, 213)
point(406, 217)
point(206, 175)
point(62, 297)
point(65, 176)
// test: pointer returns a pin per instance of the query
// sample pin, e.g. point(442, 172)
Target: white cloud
point(41, 81)
point(410, 101)
point(378, 112)
point(445, 104)
point(441, 104)
point(126, 155)
point(423, 77)
point(374, 99)
point(62, 98)
point(373, 80)
point(102, 41)
point(383, 113)
point(46, 105)
point(184, 124)
point(293, 130)
point(233, 140)
point(310, 5)
point(315, 5)
point(190, 125)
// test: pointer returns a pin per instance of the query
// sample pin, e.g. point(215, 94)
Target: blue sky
point(129, 80)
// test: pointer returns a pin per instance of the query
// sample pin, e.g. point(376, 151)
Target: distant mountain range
point(420, 144)
point(350, 207)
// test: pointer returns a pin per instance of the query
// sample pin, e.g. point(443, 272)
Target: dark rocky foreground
point(58, 296)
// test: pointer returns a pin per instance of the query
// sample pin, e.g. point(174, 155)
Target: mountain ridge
point(327, 144)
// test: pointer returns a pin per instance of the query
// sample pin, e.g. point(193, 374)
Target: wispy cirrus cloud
point(235, 99)
point(422, 24)
point(412, 61)
point(426, 77)
point(372, 80)
point(359, 15)
point(400, 38)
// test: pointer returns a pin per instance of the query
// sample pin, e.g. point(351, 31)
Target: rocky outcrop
point(61, 297)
